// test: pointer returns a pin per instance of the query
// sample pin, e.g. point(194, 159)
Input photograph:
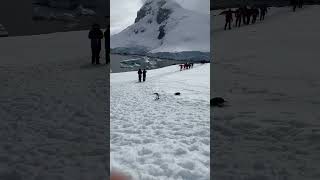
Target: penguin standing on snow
point(217, 101)
point(157, 96)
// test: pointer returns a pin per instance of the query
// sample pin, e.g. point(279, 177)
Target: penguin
point(157, 96)
point(217, 101)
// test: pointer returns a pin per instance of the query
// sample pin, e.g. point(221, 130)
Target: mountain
point(163, 26)
point(68, 10)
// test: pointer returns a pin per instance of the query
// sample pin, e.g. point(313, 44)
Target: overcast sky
point(123, 12)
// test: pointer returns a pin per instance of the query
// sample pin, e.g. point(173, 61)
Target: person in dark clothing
point(244, 14)
point(139, 74)
point(181, 66)
point(294, 5)
point(255, 13)
point(107, 44)
point(191, 65)
point(229, 18)
point(300, 3)
point(238, 15)
point(263, 12)
point(95, 35)
point(144, 73)
point(249, 13)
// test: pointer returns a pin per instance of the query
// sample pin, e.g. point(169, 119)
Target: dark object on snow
point(177, 93)
point(157, 96)
point(217, 101)
point(95, 35)
point(228, 18)
point(144, 73)
point(139, 74)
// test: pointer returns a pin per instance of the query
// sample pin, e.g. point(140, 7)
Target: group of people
point(96, 35)
point(186, 66)
point(143, 74)
point(244, 15)
point(296, 3)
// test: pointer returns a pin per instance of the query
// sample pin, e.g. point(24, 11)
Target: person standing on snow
point(294, 5)
point(238, 14)
point(255, 13)
point(263, 12)
point(144, 73)
point(139, 74)
point(181, 66)
point(229, 18)
point(95, 35)
point(300, 3)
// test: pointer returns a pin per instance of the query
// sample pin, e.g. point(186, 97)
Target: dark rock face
point(163, 14)
point(146, 9)
point(162, 32)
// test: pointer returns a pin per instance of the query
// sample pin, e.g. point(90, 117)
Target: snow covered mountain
point(67, 10)
point(163, 26)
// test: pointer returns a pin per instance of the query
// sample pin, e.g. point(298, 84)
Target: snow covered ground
point(52, 108)
point(269, 73)
point(164, 139)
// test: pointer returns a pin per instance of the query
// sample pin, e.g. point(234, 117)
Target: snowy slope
point(52, 108)
point(166, 139)
point(164, 26)
point(272, 86)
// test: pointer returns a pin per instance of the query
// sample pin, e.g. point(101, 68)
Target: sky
point(123, 12)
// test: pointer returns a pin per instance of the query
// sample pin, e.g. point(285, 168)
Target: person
point(249, 13)
point(139, 74)
point(238, 14)
point(229, 18)
point(181, 66)
point(294, 5)
point(245, 14)
point(95, 35)
point(191, 65)
point(263, 12)
point(255, 13)
point(300, 3)
point(144, 73)
point(107, 44)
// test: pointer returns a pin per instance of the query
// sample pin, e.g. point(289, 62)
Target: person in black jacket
point(255, 14)
point(139, 74)
point(95, 35)
point(300, 3)
point(294, 5)
point(238, 15)
point(144, 73)
point(228, 18)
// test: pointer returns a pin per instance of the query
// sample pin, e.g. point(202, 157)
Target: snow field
point(164, 139)
point(268, 72)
